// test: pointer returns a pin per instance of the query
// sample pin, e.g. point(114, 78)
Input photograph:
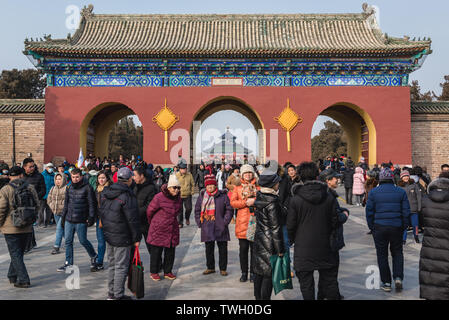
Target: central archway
point(223, 104)
point(97, 125)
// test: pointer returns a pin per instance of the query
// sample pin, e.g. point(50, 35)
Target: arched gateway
point(340, 65)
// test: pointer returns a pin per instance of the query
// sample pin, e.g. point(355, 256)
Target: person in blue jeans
point(387, 214)
point(78, 214)
point(55, 201)
point(103, 181)
point(415, 199)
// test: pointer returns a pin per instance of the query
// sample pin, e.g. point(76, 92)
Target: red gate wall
point(388, 107)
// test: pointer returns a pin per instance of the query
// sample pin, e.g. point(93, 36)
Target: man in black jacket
point(145, 190)
point(79, 213)
point(312, 217)
point(119, 215)
point(34, 178)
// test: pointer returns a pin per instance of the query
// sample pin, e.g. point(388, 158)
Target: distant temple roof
point(22, 105)
point(227, 146)
point(430, 107)
point(228, 36)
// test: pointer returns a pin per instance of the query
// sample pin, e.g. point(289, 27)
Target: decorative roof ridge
point(231, 16)
point(21, 101)
point(434, 103)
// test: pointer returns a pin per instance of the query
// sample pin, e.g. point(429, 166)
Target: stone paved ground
point(358, 254)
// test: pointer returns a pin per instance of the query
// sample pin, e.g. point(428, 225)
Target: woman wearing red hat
point(213, 213)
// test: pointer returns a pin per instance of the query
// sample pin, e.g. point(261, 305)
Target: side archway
point(359, 128)
point(97, 125)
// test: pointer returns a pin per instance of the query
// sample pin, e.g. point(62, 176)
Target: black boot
point(416, 239)
point(244, 277)
point(251, 277)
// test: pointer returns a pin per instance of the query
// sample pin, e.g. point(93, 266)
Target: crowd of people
point(274, 208)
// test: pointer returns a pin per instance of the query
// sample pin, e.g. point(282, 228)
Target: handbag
point(135, 276)
point(281, 275)
point(251, 231)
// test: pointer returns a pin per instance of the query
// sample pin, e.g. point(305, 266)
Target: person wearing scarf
point(213, 213)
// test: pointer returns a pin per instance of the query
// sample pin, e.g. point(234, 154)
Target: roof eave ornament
point(371, 13)
point(87, 12)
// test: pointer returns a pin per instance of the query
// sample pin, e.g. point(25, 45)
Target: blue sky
point(416, 18)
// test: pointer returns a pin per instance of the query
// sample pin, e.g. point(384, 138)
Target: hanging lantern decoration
point(165, 119)
point(288, 119)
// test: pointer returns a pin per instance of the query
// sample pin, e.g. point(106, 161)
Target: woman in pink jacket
point(358, 187)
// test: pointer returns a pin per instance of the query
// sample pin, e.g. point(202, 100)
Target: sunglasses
point(177, 188)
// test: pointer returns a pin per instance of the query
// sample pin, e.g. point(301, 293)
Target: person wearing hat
point(213, 213)
point(163, 234)
point(120, 222)
point(415, 200)
point(268, 238)
point(4, 178)
point(330, 177)
point(387, 215)
point(16, 237)
point(242, 199)
point(187, 190)
point(45, 216)
point(358, 186)
point(78, 214)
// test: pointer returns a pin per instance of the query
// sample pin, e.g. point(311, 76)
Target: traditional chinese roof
point(22, 105)
point(229, 36)
point(430, 107)
point(227, 145)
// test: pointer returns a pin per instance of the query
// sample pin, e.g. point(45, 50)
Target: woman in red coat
point(163, 234)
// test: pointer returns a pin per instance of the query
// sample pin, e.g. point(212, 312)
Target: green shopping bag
point(282, 278)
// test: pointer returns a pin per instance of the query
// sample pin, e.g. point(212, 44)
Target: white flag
point(80, 158)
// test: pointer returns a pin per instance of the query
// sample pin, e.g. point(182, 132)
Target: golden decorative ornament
point(288, 119)
point(165, 119)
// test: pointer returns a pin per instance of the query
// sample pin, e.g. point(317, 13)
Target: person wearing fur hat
point(268, 238)
point(242, 199)
point(415, 199)
point(163, 233)
point(387, 215)
point(434, 257)
point(213, 213)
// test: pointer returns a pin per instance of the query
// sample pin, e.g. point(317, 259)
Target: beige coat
point(6, 207)
point(187, 184)
point(56, 196)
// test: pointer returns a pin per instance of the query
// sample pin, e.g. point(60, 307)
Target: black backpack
point(24, 211)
